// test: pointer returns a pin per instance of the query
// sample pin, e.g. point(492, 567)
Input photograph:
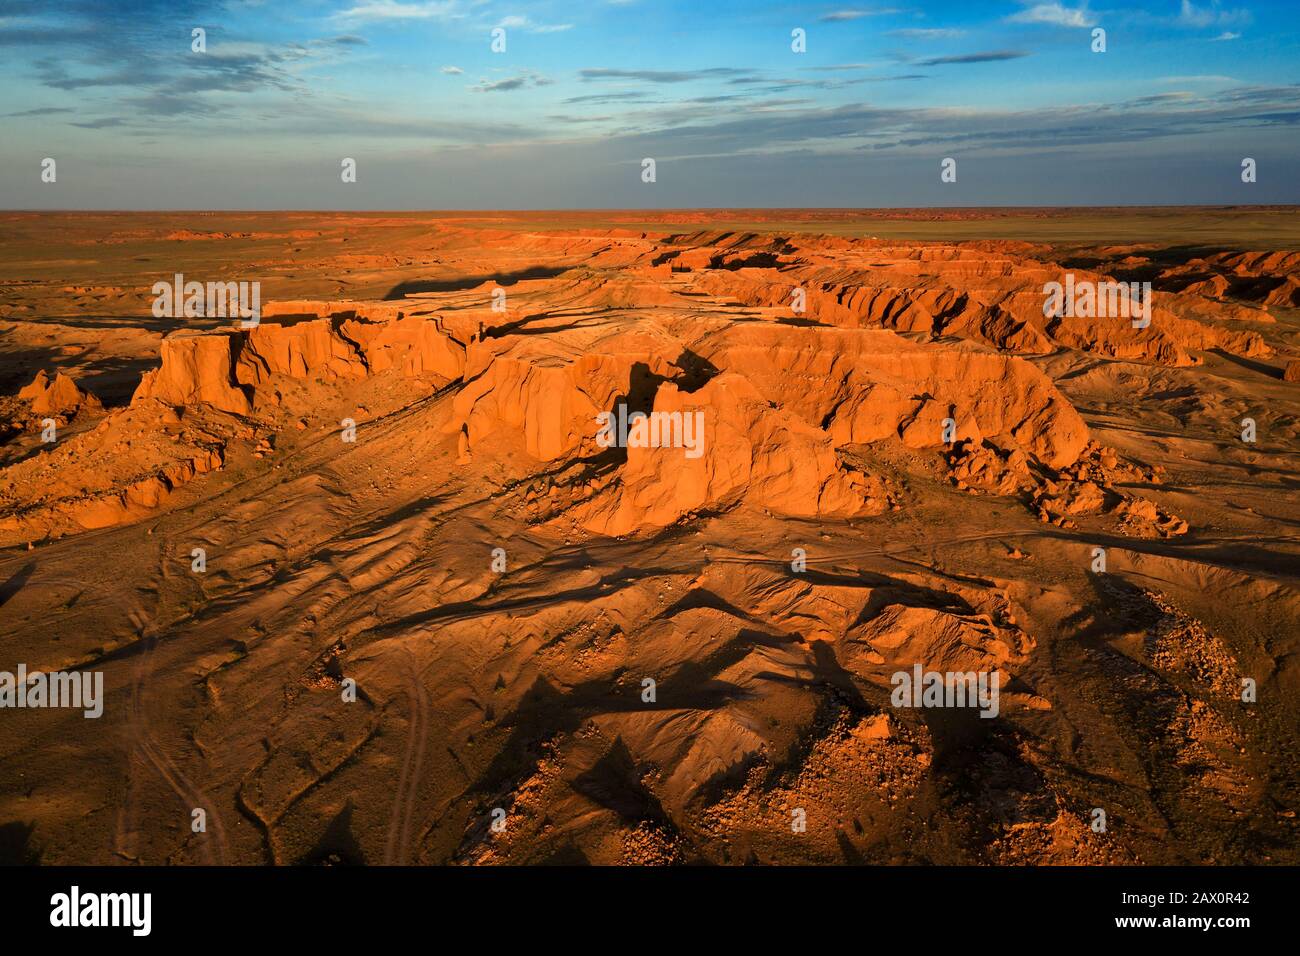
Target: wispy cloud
point(1055, 14)
point(864, 127)
point(43, 111)
point(926, 34)
point(587, 118)
point(770, 84)
point(832, 67)
point(1212, 14)
point(88, 50)
point(101, 123)
point(1197, 78)
point(372, 11)
point(519, 81)
point(608, 97)
point(662, 76)
point(844, 16)
point(528, 26)
point(990, 56)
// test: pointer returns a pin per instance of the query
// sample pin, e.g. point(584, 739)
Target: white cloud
point(452, 70)
point(1226, 35)
point(528, 26)
point(381, 10)
point(1190, 15)
point(1054, 14)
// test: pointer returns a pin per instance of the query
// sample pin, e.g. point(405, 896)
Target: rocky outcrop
point(225, 368)
point(777, 404)
point(747, 450)
point(993, 295)
point(196, 368)
point(413, 346)
point(551, 391)
point(865, 385)
point(57, 396)
point(310, 349)
point(120, 470)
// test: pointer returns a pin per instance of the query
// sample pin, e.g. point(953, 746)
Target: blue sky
point(711, 89)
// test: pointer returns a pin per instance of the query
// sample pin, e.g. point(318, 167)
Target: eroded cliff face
point(793, 352)
point(775, 401)
point(224, 369)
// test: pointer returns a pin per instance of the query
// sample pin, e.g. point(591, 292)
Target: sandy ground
point(508, 686)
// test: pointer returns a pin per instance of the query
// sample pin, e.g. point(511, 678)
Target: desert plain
point(365, 589)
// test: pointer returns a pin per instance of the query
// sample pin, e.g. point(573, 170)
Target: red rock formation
point(211, 367)
point(310, 349)
point(749, 450)
point(197, 367)
point(56, 396)
point(551, 392)
point(864, 385)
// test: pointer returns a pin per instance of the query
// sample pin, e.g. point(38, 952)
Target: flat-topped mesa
point(224, 368)
point(866, 384)
point(197, 368)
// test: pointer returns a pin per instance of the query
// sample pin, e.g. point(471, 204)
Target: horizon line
point(660, 210)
